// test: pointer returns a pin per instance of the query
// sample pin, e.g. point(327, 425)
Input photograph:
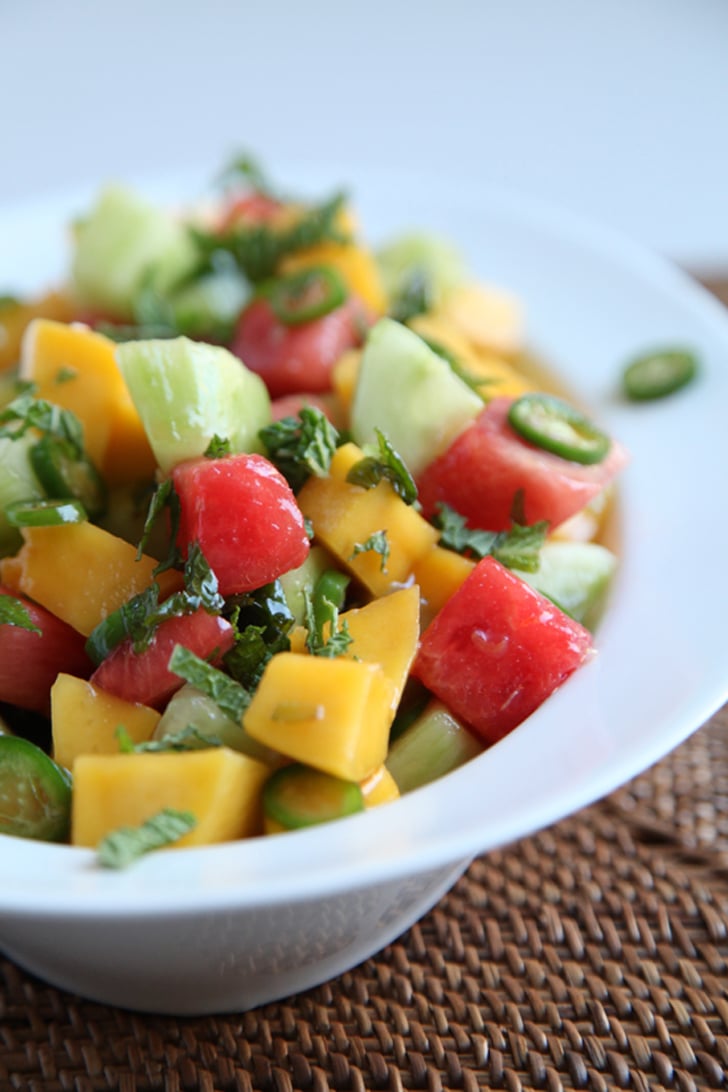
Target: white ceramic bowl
point(228, 927)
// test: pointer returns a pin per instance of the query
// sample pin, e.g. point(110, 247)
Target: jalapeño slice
point(306, 294)
point(298, 796)
point(64, 474)
point(659, 373)
point(44, 513)
point(554, 425)
point(35, 793)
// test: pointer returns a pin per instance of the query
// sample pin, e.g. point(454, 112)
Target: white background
point(615, 109)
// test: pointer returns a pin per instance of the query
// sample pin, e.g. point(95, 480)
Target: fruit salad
point(289, 525)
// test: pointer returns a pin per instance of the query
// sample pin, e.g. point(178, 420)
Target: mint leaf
point(187, 739)
point(517, 548)
point(232, 698)
point(339, 639)
point(15, 613)
point(217, 447)
point(122, 847)
point(301, 446)
point(383, 463)
point(163, 498)
point(26, 412)
point(377, 543)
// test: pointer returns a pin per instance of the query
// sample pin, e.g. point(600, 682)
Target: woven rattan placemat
point(592, 955)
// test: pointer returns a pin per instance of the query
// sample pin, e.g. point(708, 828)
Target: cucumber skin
point(433, 745)
point(411, 394)
point(18, 482)
point(576, 576)
point(126, 244)
point(186, 392)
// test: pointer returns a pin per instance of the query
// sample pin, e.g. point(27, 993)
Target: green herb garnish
point(15, 613)
point(258, 249)
point(122, 847)
point(377, 543)
point(189, 738)
point(217, 447)
point(517, 548)
point(383, 463)
point(26, 412)
point(301, 446)
point(232, 698)
point(321, 609)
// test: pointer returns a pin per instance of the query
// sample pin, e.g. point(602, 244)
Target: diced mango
point(76, 368)
point(82, 573)
point(332, 714)
point(84, 720)
point(494, 376)
point(487, 316)
point(16, 317)
point(379, 788)
point(345, 516)
point(386, 632)
point(439, 573)
point(343, 376)
point(221, 788)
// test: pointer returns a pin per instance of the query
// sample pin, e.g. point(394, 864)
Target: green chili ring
point(306, 295)
point(45, 513)
point(35, 792)
point(67, 475)
point(659, 373)
point(298, 796)
point(555, 426)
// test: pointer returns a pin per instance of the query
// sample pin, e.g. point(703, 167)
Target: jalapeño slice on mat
point(554, 425)
point(64, 474)
point(35, 793)
point(299, 796)
point(658, 373)
point(306, 294)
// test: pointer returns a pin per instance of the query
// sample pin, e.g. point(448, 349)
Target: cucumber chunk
point(18, 482)
point(434, 744)
point(576, 576)
point(409, 392)
point(186, 392)
point(189, 707)
point(423, 263)
point(125, 244)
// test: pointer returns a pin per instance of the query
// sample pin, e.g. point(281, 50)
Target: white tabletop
point(615, 109)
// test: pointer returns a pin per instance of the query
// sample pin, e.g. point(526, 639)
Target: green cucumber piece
point(418, 271)
point(434, 744)
point(576, 576)
point(126, 244)
point(35, 793)
point(208, 307)
point(18, 482)
point(411, 394)
point(189, 707)
point(186, 392)
point(298, 796)
point(296, 583)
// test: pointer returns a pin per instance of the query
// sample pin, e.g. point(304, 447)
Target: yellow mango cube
point(379, 788)
point(345, 516)
point(493, 376)
point(439, 573)
point(487, 316)
point(82, 573)
point(332, 714)
point(16, 317)
point(344, 375)
point(84, 720)
point(221, 788)
point(76, 368)
point(386, 632)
